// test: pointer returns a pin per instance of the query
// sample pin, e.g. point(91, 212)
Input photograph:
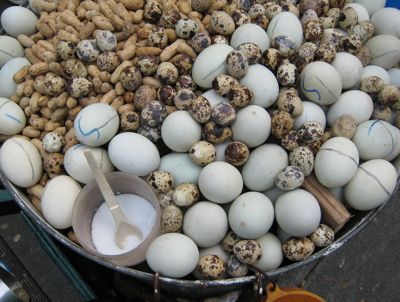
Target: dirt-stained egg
point(289, 178)
point(224, 114)
point(371, 84)
point(237, 153)
point(310, 132)
point(389, 95)
point(344, 126)
point(211, 267)
point(236, 64)
point(229, 241)
point(78, 87)
point(381, 112)
point(202, 153)
point(161, 181)
point(281, 123)
point(322, 236)
point(303, 158)
point(108, 61)
point(247, 251)
point(235, 268)
point(171, 219)
point(297, 249)
point(251, 51)
point(52, 142)
point(186, 194)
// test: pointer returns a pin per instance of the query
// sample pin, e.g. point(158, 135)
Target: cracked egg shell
point(186, 194)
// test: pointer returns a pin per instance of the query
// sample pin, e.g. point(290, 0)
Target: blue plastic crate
point(393, 3)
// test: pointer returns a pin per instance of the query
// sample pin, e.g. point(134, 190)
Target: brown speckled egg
point(240, 17)
point(325, 53)
point(397, 121)
point(108, 61)
point(256, 10)
point(262, 21)
point(272, 59)
point(313, 31)
point(290, 102)
point(334, 13)
point(153, 114)
point(236, 64)
point(53, 163)
point(148, 65)
point(152, 11)
point(229, 241)
point(285, 45)
point(307, 16)
point(350, 43)
point(359, 31)
point(171, 219)
point(131, 78)
point(53, 84)
point(78, 87)
point(389, 95)
point(167, 73)
point(338, 4)
point(169, 18)
point(291, 140)
point(87, 50)
point(327, 22)
point(327, 135)
point(251, 51)
point(151, 133)
point(369, 28)
point(215, 133)
point(166, 94)
point(200, 42)
point(240, 96)
point(143, 95)
point(183, 98)
point(315, 5)
point(186, 28)
point(297, 249)
point(304, 55)
point(322, 236)
point(235, 268)
point(272, 10)
point(310, 131)
point(200, 5)
point(223, 83)
point(74, 68)
point(130, 121)
point(287, 74)
point(223, 114)
point(344, 126)
point(158, 37)
point(348, 18)
point(185, 82)
point(183, 63)
point(166, 198)
point(219, 39)
point(211, 267)
point(364, 55)
point(161, 181)
point(65, 50)
point(185, 194)
point(289, 178)
point(202, 153)
point(291, 8)
point(313, 146)
point(381, 112)
point(247, 251)
point(236, 153)
point(281, 123)
point(200, 109)
point(303, 158)
point(222, 23)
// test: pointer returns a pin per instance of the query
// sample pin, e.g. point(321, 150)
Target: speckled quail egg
point(171, 220)
point(202, 153)
point(166, 94)
point(310, 132)
point(52, 142)
point(223, 114)
point(272, 59)
point(108, 61)
point(240, 17)
point(291, 140)
point(371, 84)
point(222, 23)
point(240, 96)
point(313, 31)
point(344, 126)
point(304, 55)
point(53, 84)
point(66, 50)
point(153, 114)
point(211, 267)
point(186, 194)
point(307, 16)
point(272, 10)
point(236, 64)
point(223, 84)
point(53, 163)
point(303, 158)
point(216, 134)
point(148, 65)
point(235, 268)
point(166, 198)
point(247, 251)
point(325, 53)
point(285, 45)
point(219, 39)
point(251, 51)
point(322, 236)
point(186, 28)
point(151, 133)
point(281, 123)
point(130, 121)
point(289, 178)
point(255, 10)
point(183, 98)
point(297, 249)
point(161, 181)
point(130, 78)
point(105, 40)
point(314, 5)
point(200, 5)
point(158, 37)
point(78, 87)
point(167, 73)
point(287, 74)
point(327, 22)
point(348, 18)
point(229, 241)
point(236, 153)
point(87, 50)
point(200, 109)
point(381, 112)
point(389, 95)
point(200, 42)
point(185, 81)
point(290, 102)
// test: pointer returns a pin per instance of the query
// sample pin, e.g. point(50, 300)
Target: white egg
point(173, 255)
point(58, 200)
point(396, 164)
point(21, 162)
point(311, 113)
point(96, 124)
point(210, 63)
point(394, 74)
point(76, 165)
point(251, 215)
point(213, 98)
point(10, 48)
point(385, 50)
point(372, 185)
point(387, 21)
point(321, 83)
point(180, 131)
point(372, 5)
point(12, 117)
point(133, 153)
point(181, 167)
point(355, 103)
point(7, 85)
point(298, 213)
point(17, 20)
point(262, 83)
point(336, 162)
point(196, 223)
point(273, 194)
point(272, 255)
point(361, 11)
point(264, 163)
point(349, 67)
point(220, 150)
point(220, 182)
point(377, 139)
point(286, 24)
point(250, 33)
point(252, 126)
point(374, 70)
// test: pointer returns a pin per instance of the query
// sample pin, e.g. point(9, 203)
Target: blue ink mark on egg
point(372, 125)
point(94, 130)
point(310, 90)
point(13, 118)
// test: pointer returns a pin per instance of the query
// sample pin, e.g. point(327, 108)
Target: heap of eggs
point(312, 92)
